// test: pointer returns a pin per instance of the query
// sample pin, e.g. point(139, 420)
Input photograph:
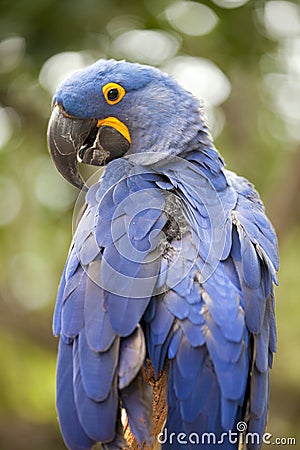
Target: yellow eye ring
point(113, 93)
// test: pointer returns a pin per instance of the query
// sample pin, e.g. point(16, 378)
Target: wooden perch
point(159, 415)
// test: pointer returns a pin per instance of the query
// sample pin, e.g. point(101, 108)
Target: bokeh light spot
point(230, 4)
point(290, 51)
point(51, 190)
point(201, 77)
point(12, 50)
point(121, 24)
point(191, 18)
point(10, 200)
point(5, 127)
point(282, 19)
point(32, 281)
point(59, 66)
point(283, 85)
point(145, 46)
point(216, 120)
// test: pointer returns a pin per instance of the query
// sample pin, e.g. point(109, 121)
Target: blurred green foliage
point(257, 46)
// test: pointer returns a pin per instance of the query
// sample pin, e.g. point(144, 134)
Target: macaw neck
point(171, 126)
point(193, 143)
point(199, 153)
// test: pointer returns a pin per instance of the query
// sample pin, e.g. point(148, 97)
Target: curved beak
point(89, 141)
point(65, 137)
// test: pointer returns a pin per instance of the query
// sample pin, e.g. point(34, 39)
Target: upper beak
point(90, 141)
point(65, 137)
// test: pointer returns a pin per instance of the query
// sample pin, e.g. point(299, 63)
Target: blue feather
point(56, 325)
point(228, 239)
point(174, 343)
point(131, 357)
point(119, 442)
point(115, 263)
point(189, 360)
point(193, 333)
point(137, 400)
point(250, 263)
point(236, 246)
point(103, 232)
point(97, 369)
point(185, 285)
point(74, 435)
point(229, 410)
point(183, 388)
point(71, 264)
point(142, 223)
point(98, 419)
point(200, 396)
point(222, 302)
point(107, 206)
point(125, 313)
point(195, 298)
point(72, 317)
point(150, 311)
point(99, 332)
point(91, 195)
point(161, 323)
point(273, 336)
point(119, 192)
point(232, 273)
point(263, 340)
point(84, 227)
point(195, 315)
point(73, 282)
point(259, 392)
point(254, 302)
point(89, 250)
point(227, 351)
point(177, 305)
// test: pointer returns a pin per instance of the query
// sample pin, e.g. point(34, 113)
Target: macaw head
point(114, 108)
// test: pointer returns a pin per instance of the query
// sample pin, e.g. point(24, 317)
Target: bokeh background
point(243, 58)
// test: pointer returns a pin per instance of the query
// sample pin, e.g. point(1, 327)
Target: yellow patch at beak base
point(117, 125)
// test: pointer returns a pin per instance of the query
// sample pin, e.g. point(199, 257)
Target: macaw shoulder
point(252, 223)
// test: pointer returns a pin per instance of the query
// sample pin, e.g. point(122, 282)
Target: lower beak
point(90, 141)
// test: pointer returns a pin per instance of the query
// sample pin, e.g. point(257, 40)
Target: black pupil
point(113, 94)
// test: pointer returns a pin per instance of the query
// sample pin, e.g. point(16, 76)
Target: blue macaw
point(171, 270)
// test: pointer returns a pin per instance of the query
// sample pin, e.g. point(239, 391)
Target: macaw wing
point(108, 281)
point(255, 257)
point(205, 321)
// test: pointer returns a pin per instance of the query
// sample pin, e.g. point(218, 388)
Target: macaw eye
point(113, 93)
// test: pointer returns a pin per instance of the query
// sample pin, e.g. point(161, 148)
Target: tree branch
point(159, 415)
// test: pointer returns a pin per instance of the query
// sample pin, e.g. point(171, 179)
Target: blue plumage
point(173, 261)
point(71, 428)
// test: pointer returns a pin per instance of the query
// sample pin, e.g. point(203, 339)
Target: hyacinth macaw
point(172, 267)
